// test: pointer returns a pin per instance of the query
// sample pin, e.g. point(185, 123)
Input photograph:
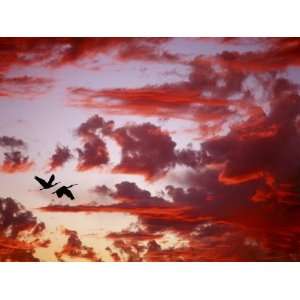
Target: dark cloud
point(129, 192)
point(102, 190)
point(7, 141)
point(190, 157)
point(115, 256)
point(94, 124)
point(60, 157)
point(94, 152)
point(133, 235)
point(16, 223)
point(14, 160)
point(146, 150)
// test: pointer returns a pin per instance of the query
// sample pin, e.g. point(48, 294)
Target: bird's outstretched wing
point(59, 192)
point(51, 179)
point(69, 194)
point(41, 181)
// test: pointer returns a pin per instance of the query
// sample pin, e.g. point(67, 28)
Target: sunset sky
point(183, 149)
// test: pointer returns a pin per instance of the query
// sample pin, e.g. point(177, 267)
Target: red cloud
point(280, 54)
point(170, 101)
point(204, 96)
point(146, 52)
point(60, 51)
point(16, 251)
point(25, 86)
point(75, 249)
point(15, 162)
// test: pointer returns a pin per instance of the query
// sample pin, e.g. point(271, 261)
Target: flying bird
point(64, 190)
point(46, 184)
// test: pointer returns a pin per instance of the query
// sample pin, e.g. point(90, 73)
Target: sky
point(182, 149)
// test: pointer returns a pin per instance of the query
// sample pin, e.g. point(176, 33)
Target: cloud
point(146, 52)
point(189, 157)
point(146, 150)
point(25, 86)
point(115, 256)
point(60, 157)
point(154, 211)
point(239, 198)
point(131, 251)
point(210, 96)
point(248, 150)
point(165, 101)
point(14, 160)
point(279, 54)
point(56, 52)
point(242, 185)
point(75, 249)
point(20, 232)
point(94, 153)
point(94, 124)
point(7, 141)
point(130, 193)
point(102, 190)
point(133, 235)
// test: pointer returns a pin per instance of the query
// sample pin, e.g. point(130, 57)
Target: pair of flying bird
point(62, 191)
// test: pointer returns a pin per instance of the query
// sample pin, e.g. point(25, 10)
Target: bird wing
point(41, 181)
point(69, 194)
point(59, 192)
point(51, 179)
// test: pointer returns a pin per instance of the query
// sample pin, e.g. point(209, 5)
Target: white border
point(149, 18)
point(142, 280)
point(150, 281)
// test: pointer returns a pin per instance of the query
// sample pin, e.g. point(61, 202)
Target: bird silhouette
point(64, 190)
point(46, 184)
